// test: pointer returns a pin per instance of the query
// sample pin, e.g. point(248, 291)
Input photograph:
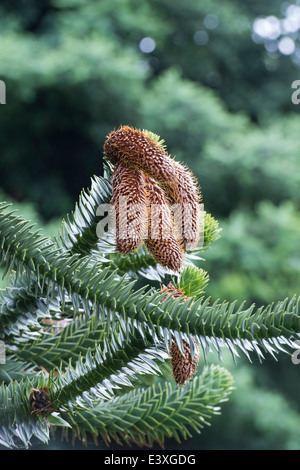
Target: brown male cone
point(129, 200)
point(183, 366)
point(40, 402)
point(161, 240)
point(183, 195)
point(136, 149)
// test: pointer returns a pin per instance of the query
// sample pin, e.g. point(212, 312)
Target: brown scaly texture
point(183, 366)
point(131, 220)
point(183, 195)
point(161, 240)
point(170, 289)
point(136, 149)
point(40, 402)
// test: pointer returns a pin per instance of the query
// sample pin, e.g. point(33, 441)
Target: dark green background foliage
point(220, 96)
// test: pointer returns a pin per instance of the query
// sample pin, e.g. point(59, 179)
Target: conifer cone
point(129, 200)
point(173, 291)
point(161, 240)
point(136, 149)
point(40, 402)
point(184, 196)
point(183, 366)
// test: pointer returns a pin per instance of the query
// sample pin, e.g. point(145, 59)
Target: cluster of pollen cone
point(156, 199)
point(157, 202)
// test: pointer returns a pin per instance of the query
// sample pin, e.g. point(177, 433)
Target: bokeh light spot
point(147, 45)
point(201, 38)
point(286, 46)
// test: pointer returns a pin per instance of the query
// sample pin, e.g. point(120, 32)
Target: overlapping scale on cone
point(165, 185)
point(161, 241)
point(130, 202)
point(184, 366)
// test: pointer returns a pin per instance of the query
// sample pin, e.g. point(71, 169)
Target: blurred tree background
point(213, 78)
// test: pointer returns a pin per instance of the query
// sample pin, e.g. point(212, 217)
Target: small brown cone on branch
point(183, 365)
point(40, 402)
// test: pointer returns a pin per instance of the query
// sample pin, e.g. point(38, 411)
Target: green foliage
point(72, 324)
point(193, 281)
point(259, 390)
point(67, 64)
point(282, 426)
point(30, 212)
point(258, 254)
point(73, 321)
point(145, 416)
point(220, 96)
point(17, 422)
